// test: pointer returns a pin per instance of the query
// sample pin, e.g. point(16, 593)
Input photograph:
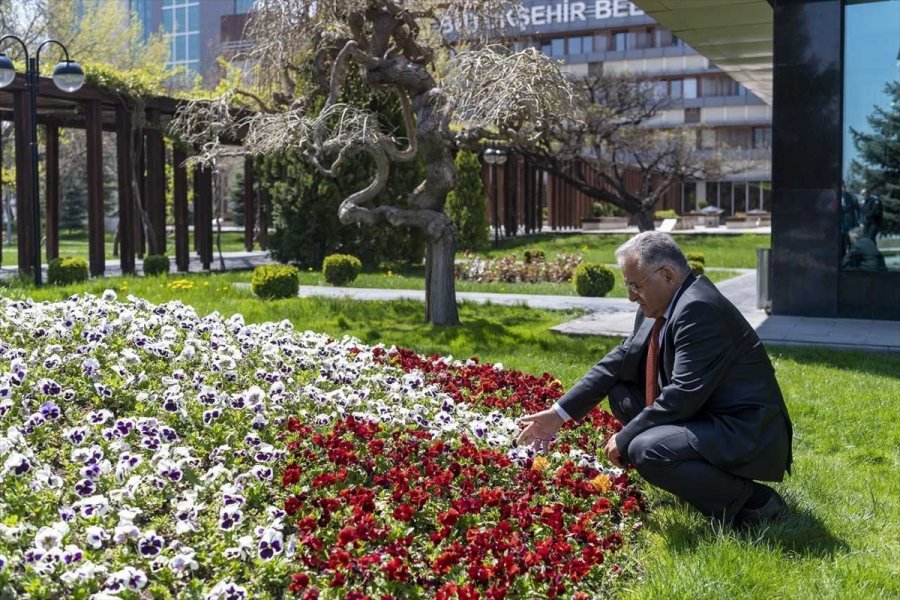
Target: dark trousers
point(664, 457)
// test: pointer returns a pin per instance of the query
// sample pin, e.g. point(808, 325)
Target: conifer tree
point(466, 205)
point(878, 163)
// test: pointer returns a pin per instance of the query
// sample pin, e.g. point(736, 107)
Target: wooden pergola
point(141, 157)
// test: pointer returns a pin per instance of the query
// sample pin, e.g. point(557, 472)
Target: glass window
point(619, 41)
point(546, 48)
point(707, 137)
point(660, 89)
point(178, 48)
point(663, 38)
point(193, 46)
point(871, 144)
point(675, 88)
point(762, 137)
point(601, 42)
point(558, 46)
point(180, 19)
point(766, 189)
point(587, 44)
point(242, 6)
point(193, 20)
point(688, 197)
point(692, 115)
point(754, 202)
point(739, 191)
point(575, 45)
point(690, 87)
point(725, 198)
point(167, 20)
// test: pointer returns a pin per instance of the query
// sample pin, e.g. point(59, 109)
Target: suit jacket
point(715, 379)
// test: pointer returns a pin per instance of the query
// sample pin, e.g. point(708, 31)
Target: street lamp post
point(495, 156)
point(69, 77)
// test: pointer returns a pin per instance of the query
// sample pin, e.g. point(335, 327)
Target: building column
point(182, 235)
point(52, 191)
point(96, 229)
point(22, 121)
point(125, 173)
point(249, 220)
point(203, 215)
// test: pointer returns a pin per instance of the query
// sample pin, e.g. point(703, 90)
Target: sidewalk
point(615, 316)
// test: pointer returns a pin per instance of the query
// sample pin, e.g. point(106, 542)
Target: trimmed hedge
point(534, 254)
point(275, 281)
point(696, 257)
point(697, 267)
point(156, 264)
point(66, 270)
point(591, 279)
point(340, 269)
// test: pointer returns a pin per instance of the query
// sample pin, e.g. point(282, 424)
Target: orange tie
point(651, 376)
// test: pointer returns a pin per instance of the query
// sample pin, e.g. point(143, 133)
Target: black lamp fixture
point(68, 76)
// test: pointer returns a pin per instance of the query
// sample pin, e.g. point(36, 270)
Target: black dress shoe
point(771, 510)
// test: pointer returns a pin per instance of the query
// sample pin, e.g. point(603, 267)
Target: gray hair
point(654, 249)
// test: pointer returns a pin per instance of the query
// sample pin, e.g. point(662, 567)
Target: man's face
point(653, 289)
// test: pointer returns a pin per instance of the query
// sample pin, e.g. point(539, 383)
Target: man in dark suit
point(703, 414)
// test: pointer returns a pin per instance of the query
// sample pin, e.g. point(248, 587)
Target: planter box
point(602, 223)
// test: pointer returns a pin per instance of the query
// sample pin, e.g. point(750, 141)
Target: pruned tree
point(608, 142)
point(303, 53)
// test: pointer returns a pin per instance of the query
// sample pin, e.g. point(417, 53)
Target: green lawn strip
point(76, 244)
point(731, 251)
point(414, 279)
point(843, 536)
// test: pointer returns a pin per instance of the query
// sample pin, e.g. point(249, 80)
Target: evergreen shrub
point(275, 281)
point(67, 269)
point(697, 267)
point(466, 205)
point(156, 264)
point(340, 269)
point(665, 214)
point(594, 280)
point(696, 257)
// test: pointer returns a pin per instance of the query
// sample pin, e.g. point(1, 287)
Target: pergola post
point(96, 229)
point(155, 184)
point(2, 231)
point(24, 226)
point(249, 220)
point(52, 191)
point(125, 170)
point(140, 205)
point(180, 192)
point(262, 222)
point(203, 215)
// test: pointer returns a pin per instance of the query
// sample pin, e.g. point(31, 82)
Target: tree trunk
point(440, 284)
point(644, 220)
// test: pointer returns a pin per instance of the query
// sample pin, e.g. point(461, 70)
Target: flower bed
point(141, 445)
point(511, 270)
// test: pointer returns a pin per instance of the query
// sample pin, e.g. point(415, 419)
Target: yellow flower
point(602, 483)
point(390, 273)
point(539, 464)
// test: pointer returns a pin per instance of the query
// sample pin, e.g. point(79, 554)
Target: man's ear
point(668, 273)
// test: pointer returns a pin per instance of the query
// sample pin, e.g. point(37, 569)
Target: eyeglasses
point(634, 286)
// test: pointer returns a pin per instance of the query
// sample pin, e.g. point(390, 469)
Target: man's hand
point(539, 429)
point(612, 452)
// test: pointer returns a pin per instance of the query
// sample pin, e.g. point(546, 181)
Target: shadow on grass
point(798, 532)
point(880, 365)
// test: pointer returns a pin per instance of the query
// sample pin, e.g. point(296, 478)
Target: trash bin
point(763, 299)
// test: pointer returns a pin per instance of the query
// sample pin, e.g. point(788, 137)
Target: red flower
point(396, 569)
point(299, 581)
point(292, 505)
point(449, 518)
point(403, 512)
point(291, 475)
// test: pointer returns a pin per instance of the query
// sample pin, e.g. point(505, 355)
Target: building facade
point(616, 36)
point(193, 29)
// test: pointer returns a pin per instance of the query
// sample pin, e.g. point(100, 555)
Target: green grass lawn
point(843, 535)
point(76, 244)
point(729, 251)
point(413, 278)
